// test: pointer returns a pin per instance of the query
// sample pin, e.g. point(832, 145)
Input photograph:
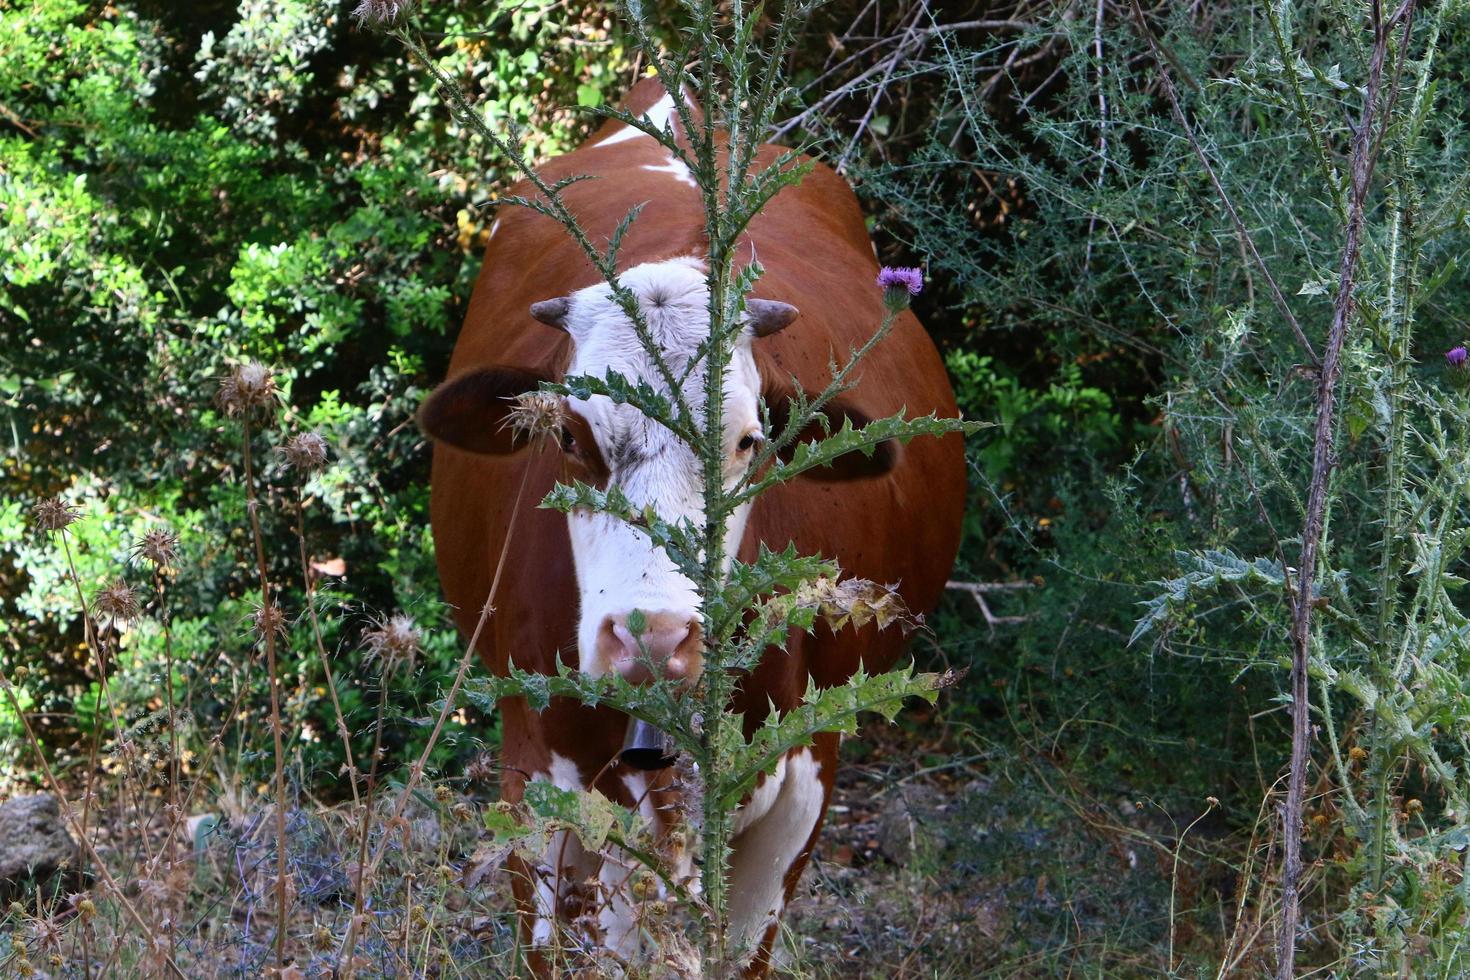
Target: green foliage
point(181, 189)
point(1116, 265)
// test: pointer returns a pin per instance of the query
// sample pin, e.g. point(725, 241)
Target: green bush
point(183, 187)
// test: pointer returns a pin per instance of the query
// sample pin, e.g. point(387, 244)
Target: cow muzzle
point(670, 647)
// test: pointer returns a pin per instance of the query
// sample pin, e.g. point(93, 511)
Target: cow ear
point(839, 411)
point(469, 411)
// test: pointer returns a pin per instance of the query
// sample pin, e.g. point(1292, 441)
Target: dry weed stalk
point(250, 389)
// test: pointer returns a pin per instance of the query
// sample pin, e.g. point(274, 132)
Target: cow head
point(638, 614)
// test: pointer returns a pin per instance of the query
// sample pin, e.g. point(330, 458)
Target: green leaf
point(621, 391)
point(679, 541)
point(833, 709)
point(819, 453)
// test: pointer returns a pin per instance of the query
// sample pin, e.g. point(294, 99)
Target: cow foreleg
point(775, 833)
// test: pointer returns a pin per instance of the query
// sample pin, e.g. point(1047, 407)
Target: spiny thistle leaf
point(662, 704)
point(591, 816)
point(772, 570)
point(680, 542)
point(1208, 571)
point(848, 439)
point(621, 391)
point(834, 709)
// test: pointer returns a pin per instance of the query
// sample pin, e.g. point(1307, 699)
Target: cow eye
point(568, 441)
point(749, 442)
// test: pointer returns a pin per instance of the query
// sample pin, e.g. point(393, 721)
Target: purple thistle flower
point(1457, 356)
point(893, 277)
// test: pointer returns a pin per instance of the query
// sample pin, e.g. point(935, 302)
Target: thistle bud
point(53, 514)
point(538, 416)
point(381, 13)
point(393, 639)
point(305, 452)
point(117, 602)
point(899, 285)
point(159, 545)
point(247, 389)
point(267, 619)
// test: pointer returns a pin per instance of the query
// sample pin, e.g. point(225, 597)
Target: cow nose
point(672, 642)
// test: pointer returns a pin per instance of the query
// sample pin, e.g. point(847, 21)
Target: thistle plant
point(1356, 486)
point(724, 75)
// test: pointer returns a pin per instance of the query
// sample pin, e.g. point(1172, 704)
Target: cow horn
point(552, 312)
point(768, 316)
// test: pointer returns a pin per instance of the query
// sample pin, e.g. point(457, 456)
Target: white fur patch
point(637, 784)
point(762, 798)
point(618, 570)
point(658, 114)
point(675, 168)
point(767, 846)
point(563, 856)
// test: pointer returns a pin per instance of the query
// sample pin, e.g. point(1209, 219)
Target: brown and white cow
point(570, 582)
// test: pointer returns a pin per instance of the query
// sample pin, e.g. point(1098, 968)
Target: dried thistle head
point(248, 388)
point(305, 452)
point(393, 639)
point(857, 601)
point(267, 619)
point(538, 415)
point(53, 514)
point(159, 545)
point(117, 601)
point(381, 13)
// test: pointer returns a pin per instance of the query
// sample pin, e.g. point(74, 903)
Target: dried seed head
point(159, 545)
point(267, 619)
point(538, 415)
point(442, 793)
point(53, 514)
point(117, 602)
point(248, 388)
point(305, 452)
point(381, 13)
point(393, 639)
point(86, 908)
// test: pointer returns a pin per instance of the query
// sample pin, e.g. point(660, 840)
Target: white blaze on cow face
point(618, 569)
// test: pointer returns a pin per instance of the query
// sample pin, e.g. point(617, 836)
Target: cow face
point(639, 615)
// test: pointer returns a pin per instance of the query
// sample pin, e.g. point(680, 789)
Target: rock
point(34, 843)
point(901, 824)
